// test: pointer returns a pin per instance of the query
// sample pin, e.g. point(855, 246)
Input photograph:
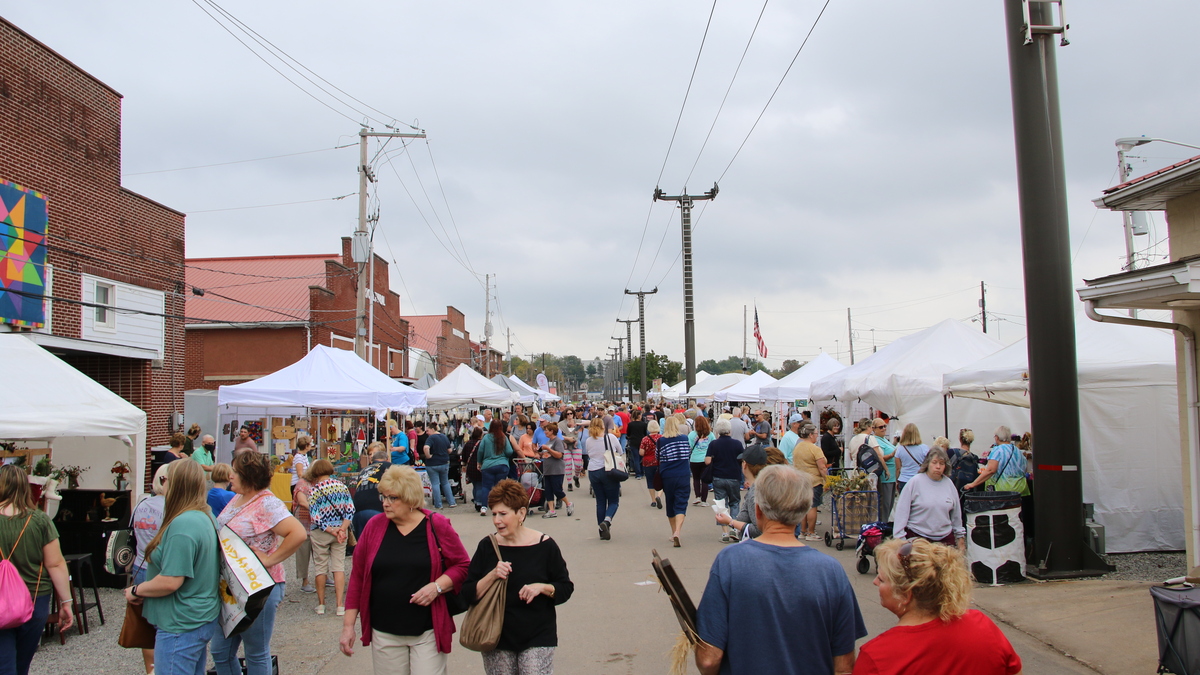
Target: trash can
point(1177, 618)
point(995, 536)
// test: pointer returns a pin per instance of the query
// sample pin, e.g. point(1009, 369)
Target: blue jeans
point(18, 645)
point(439, 480)
point(608, 495)
point(184, 653)
point(257, 640)
point(491, 476)
point(729, 489)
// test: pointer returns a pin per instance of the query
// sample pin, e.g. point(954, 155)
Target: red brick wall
point(452, 349)
point(60, 131)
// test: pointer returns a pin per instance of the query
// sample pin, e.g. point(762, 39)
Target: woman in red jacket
point(647, 451)
point(406, 562)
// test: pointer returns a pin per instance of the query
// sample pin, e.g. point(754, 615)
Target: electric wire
point(238, 161)
point(267, 206)
point(687, 92)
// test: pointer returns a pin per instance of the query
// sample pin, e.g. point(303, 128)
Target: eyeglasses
point(388, 499)
point(905, 554)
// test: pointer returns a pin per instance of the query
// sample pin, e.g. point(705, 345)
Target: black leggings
point(698, 484)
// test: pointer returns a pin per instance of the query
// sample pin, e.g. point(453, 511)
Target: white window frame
point(106, 309)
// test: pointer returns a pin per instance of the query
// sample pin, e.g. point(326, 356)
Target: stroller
point(870, 536)
point(529, 474)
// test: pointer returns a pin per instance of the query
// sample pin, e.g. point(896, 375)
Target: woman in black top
point(634, 435)
point(537, 582)
point(829, 442)
point(470, 463)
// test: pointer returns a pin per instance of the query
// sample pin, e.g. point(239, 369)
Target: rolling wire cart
point(850, 507)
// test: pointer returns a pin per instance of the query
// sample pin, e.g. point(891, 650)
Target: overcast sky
point(881, 178)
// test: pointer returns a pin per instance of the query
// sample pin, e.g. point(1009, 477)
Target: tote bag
point(480, 631)
point(613, 465)
point(245, 583)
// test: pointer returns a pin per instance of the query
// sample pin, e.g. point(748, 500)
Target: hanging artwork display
point(23, 218)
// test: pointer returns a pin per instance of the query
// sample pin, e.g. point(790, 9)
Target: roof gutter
point(247, 324)
point(1193, 411)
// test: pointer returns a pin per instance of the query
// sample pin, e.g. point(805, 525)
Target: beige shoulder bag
point(480, 631)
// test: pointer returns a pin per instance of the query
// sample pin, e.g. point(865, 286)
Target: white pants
point(406, 654)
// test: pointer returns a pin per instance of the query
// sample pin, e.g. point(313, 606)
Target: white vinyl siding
point(134, 320)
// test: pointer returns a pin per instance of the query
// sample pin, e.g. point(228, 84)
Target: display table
point(82, 529)
point(281, 486)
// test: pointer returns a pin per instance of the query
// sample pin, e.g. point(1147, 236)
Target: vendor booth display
point(1129, 426)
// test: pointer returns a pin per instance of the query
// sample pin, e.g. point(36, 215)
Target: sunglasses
point(905, 555)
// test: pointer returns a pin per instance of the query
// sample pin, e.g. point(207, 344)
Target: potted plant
point(44, 467)
point(71, 472)
point(120, 469)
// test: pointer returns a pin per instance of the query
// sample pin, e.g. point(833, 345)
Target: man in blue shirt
point(437, 464)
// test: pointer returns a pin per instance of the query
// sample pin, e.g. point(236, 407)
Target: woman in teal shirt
point(494, 452)
point(182, 576)
point(698, 441)
point(887, 482)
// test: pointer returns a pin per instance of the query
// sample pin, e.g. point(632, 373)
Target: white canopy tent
point(427, 380)
point(711, 385)
point(680, 388)
point(795, 386)
point(542, 395)
point(748, 390)
point(1129, 426)
point(524, 392)
point(325, 378)
point(904, 379)
point(463, 387)
point(84, 423)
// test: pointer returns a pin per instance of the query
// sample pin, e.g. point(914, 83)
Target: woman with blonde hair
point(405, 563)
point(183, 569)
point(674, 468)
point(964, 464)
point(605, 487)
point(910, 454)
point(928, 588)
point(30, 542)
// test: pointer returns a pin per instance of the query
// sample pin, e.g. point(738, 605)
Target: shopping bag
point(245, 583)
point(480, 631)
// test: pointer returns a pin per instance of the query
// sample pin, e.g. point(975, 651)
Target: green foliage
point(658, 366)
point(789, 366)
point(733, 364)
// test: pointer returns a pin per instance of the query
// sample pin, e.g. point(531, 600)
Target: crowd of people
point(410, 572)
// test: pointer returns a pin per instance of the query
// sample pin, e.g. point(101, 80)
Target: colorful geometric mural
point(23, 217)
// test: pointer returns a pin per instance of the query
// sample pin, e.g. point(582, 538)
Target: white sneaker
point(812, 537)
point(341, 611)
point(483, 510)
point(321, 610)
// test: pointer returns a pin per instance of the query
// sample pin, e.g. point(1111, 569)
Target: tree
point(789, 366)
point(733, 364)
point(591, 370)
point(658, 366)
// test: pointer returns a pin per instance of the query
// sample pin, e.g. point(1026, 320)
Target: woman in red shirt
point(927, 586)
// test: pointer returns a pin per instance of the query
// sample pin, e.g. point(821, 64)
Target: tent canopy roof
point(427, 380)
point(44, 397)
point(325, 378)
point(748, 389)
point(713, 384)
point(908, 371)
point(795, 386)
point(464, 386)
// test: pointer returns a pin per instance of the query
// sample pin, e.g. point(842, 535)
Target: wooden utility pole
point(629, 354)
point(642, 332)
point(983, 306)
point(850, 328)
point(362, 250)
point(487, 325)
point(689, 318)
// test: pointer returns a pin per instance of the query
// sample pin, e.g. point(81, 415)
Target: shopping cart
point(529, 474)
point(849, 511)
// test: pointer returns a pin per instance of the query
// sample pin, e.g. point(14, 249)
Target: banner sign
point(23, 217)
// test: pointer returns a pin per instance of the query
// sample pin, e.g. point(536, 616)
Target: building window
point(105, 300)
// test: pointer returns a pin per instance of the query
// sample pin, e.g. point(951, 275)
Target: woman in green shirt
point(182, 576)
point(29, 540)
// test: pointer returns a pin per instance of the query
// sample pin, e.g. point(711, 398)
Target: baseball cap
point(480, 418)
point(754, 454)
point(796, 417)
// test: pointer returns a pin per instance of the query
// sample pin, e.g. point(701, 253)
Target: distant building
point(251, 316)
point(88, 269)
point(444, 337)
point(489, 364)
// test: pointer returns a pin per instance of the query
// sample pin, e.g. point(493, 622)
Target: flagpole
point(744, 339)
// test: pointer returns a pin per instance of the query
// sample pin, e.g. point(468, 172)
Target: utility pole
point(689, 324)
point(642, 331)
point(362, 249)
point(620, 366)
point(508, 349)
point(983, 306)
point(487, 325)
point(850, 328)
point(629, 342)
point(1059, 548)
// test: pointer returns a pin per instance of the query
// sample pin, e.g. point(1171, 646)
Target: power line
point(267, 206)
point(238, 161)
point(687, 92)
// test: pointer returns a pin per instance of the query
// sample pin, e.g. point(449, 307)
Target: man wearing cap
point(762, 429)
point(788, 443)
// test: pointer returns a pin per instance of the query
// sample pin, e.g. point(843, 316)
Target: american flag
point(762, 346)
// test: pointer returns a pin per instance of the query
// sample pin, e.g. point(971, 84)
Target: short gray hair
point(380, 456)
point(807, 429)
point(936, 452)
point(1004, 434)
point(652, 426)
point(783, 493)
point(723, 427)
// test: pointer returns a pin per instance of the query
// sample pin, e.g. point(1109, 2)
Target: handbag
point(455, 602)
point(613, 465)
point(480, 631)
point(136, 631)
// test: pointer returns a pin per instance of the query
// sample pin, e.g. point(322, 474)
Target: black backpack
point(964, 468)
point(867, 459)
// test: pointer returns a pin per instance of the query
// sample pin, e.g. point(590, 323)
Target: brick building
point(445, 337)
point(488, 361)
point(258, 314)
point(113, 276)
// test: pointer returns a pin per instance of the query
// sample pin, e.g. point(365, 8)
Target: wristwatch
point(438, 587)
point(133, 591)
